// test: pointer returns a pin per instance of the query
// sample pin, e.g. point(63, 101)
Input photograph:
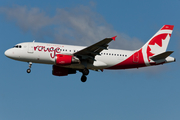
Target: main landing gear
point(85, 72)
point(29, 69)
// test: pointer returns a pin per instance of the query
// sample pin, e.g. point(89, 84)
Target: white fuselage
point(45, 53)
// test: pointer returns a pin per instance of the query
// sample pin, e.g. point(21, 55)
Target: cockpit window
point(17, 46)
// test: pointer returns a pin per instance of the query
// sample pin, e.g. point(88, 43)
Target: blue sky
point(143, 94)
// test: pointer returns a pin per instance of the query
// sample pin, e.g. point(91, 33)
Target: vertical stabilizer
point(158, 43)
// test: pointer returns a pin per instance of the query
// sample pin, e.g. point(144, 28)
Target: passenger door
point(136, 57)
point(31, 47)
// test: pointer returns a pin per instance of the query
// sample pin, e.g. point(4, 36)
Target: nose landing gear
point(29, 69)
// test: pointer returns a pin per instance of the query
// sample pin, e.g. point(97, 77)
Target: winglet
point(114, 38)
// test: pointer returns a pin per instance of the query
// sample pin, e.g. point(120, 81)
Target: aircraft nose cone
point(8, 53)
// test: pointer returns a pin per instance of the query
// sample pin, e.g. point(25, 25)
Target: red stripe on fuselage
point(134, 61)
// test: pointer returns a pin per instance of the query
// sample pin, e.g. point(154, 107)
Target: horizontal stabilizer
point(161, 56)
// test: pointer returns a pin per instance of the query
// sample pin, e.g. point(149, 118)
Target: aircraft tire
point(85, 71)
point(83, 78)
point(28, 70)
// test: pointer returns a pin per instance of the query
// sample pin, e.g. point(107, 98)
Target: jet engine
point(62, 60)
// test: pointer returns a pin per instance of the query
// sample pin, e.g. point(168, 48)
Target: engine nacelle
point(63, 60)
point(60, 71)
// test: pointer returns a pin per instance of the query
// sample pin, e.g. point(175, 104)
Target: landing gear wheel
point(28, 70)
point(85, 71)
point(83, 78)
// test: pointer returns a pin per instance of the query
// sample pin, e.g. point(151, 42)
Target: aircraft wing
point(93, 50)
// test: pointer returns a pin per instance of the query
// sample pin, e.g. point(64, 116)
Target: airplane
point(68, 59)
